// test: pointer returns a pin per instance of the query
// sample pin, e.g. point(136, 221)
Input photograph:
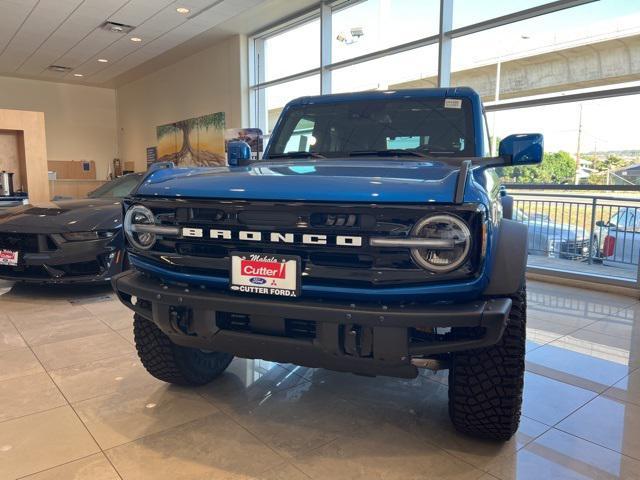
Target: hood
point(63, 216)
point(348, 180)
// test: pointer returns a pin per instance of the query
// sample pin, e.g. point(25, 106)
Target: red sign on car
point(263, 269)
point(8, 257)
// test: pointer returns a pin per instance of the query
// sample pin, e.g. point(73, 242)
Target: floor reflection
point(264, 420)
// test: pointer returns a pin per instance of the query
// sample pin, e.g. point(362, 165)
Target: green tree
point(603, 165)
point(610, 162)
point(556, 167)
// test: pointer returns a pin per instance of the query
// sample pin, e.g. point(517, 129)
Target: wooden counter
point(28, 157)
point(73, 188)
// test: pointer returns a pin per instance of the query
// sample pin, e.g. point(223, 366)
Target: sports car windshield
point(391, 128)
point(117, 188)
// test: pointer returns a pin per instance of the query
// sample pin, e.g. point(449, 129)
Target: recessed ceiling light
point(182, 10)
point(103, 60)
point(78, 75)
point(136, 39)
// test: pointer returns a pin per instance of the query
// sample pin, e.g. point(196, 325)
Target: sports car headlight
point(455, 250)
point(84, 236)
point(134, 221)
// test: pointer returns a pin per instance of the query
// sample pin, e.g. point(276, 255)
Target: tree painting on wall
point(193, 142)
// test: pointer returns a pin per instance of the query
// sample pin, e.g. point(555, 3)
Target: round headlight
point(442, 227)
point(139, 215)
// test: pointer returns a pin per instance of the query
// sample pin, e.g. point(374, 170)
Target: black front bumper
point(84, 262)
point(369, 339)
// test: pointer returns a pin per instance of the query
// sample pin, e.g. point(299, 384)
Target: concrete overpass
point(572, 66)
point(615, 60)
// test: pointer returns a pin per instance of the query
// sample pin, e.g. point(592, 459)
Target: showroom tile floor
point(75, 404)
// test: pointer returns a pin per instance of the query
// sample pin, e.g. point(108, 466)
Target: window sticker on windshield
point(452, 103)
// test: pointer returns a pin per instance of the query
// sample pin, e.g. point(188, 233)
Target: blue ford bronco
point(372, 238)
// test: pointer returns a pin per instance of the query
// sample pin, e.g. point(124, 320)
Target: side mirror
point(522, 149)
point(601, 224)
point(239, 153)
point(158, 165)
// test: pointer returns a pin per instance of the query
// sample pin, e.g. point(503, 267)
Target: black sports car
point(68, 241)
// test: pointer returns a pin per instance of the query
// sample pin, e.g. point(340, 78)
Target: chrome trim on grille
point(157, 229)
point(412, 243)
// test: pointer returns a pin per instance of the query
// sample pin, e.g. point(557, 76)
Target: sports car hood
point(63, 216)
point(349, 180)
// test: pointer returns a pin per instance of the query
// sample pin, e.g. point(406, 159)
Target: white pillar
point(444, 51)
point(326, 38)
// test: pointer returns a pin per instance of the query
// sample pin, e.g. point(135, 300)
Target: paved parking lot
point(76, 404)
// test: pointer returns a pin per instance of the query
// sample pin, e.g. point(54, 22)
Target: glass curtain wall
point(568, 69)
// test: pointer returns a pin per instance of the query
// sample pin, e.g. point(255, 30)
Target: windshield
point(410, 126)
point(118, 188)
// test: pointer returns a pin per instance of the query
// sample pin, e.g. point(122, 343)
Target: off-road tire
point(173, 363)
point(485, 385)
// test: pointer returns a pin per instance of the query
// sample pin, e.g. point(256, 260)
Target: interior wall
point(80, 121)
point(209, 81)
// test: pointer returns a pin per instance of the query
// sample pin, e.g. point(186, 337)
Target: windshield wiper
point(301, 154)
point(386, 153)
point(435, 151)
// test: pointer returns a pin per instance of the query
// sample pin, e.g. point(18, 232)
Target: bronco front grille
point(328, 264)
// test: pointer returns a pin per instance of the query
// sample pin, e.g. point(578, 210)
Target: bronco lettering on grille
point(274, 237)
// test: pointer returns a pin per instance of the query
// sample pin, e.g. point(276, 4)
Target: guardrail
point(580, 227)
point(571, 187)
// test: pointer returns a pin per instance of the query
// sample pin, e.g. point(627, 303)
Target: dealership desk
point(6, 202)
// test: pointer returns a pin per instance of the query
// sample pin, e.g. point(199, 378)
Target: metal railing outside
point(581, 230)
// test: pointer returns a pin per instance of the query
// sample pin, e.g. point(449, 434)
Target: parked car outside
point(68, 241)
point(557, 239)
point(621, 234)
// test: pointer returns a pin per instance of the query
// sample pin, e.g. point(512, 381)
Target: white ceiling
point(37, 33)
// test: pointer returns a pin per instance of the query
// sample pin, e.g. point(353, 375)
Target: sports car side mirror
point(158, 165)
point(522, 149)
point(239, 153)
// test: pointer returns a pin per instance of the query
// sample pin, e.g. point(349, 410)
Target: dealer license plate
point(8, 257)
point(265, 274)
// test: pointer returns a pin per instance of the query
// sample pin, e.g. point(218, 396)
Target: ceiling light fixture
point(182, 10)
point(103, 60)
point(136, 39)
point(78, 75)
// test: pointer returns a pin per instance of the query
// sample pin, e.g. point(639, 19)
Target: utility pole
point(577, 181)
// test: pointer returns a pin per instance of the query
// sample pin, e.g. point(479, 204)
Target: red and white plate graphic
point(265, 274)
point(8, 257)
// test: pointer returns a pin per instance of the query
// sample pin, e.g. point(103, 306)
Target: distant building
point(585, 168)
point(626, 176)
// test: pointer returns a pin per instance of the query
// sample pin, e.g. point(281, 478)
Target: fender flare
point(510, 259)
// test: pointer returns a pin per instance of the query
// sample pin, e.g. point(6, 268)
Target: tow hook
point(433, 364)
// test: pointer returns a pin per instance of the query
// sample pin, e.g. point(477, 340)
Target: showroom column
point(444, 43)
point(325, 48)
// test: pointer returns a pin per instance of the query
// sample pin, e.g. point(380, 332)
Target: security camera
point(357, 32)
